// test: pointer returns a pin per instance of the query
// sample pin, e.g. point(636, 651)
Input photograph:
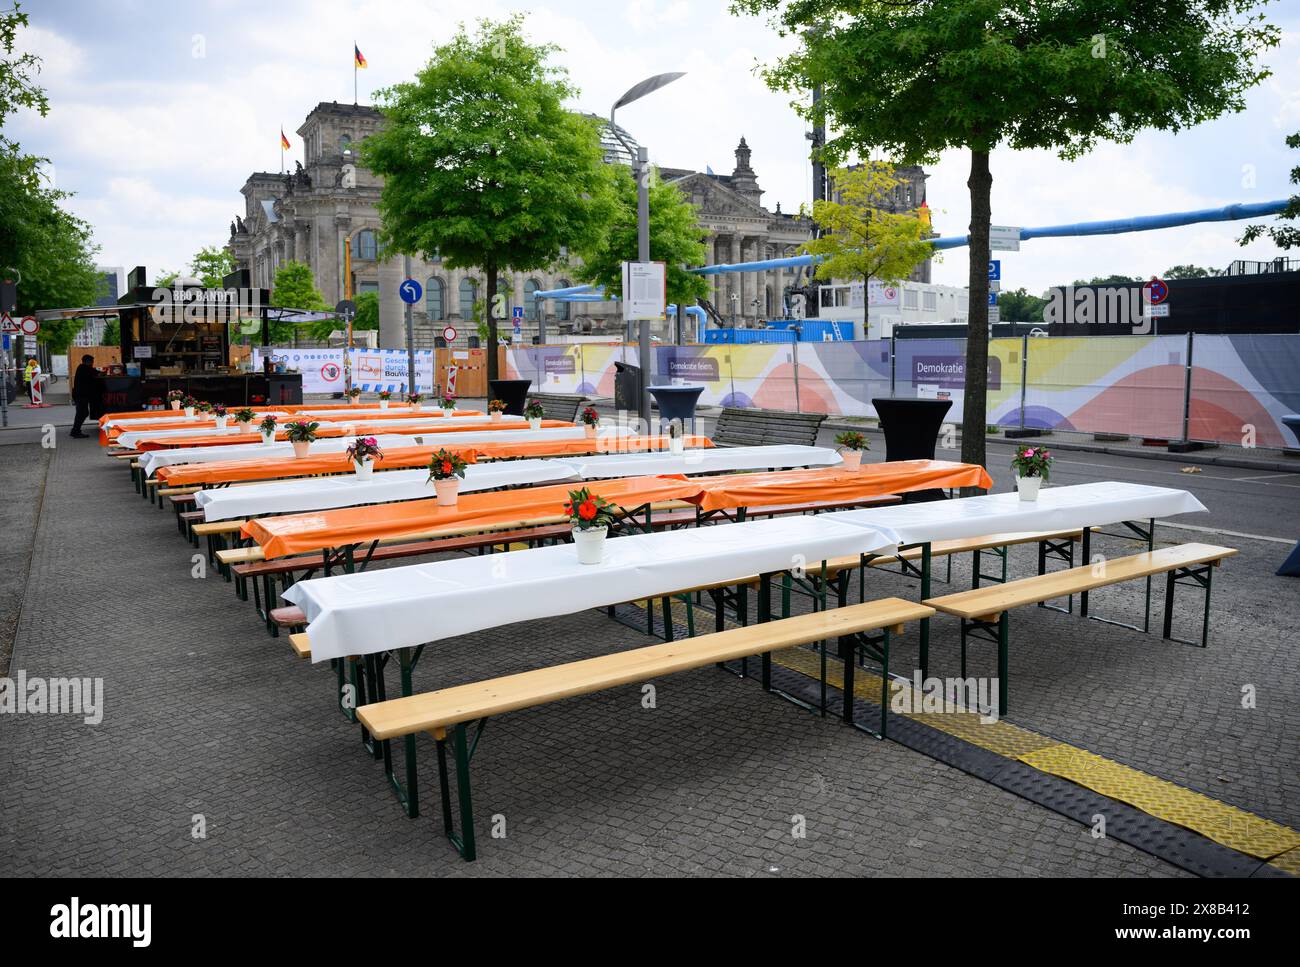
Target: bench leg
point(407, 793)
point(999, 633)
point(1202, 576)
point(464, 843)
point(925, 622)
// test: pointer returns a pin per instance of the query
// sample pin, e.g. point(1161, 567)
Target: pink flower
point(1029, 452)
point(370, 441)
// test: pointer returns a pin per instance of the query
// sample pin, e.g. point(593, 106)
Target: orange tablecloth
point(279, 468)
point(304, 533)
point(835, 483)
point(342, 415)
point(404, 458)
point(329, 430)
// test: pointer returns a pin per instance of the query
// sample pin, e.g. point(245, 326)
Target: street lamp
point(640, 171)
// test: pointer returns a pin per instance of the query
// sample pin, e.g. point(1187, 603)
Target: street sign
point(995, 315)
point(1004, 238)
point(995, 270)
point(1155, 291)
point(644, 290)
point(1158, 310)
point(995, 285)
point(410, 291)
point(29, 326)
point(993, 298)
point(517, 312)
point(346, 308)
point(7, 323)
point(449, 334)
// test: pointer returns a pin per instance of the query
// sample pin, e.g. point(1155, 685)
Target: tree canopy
point(913, 79)
point(1283, 236)
point(483, 164)
point(676, 239)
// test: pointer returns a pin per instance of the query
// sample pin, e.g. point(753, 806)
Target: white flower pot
point(300, 448)
point(364, 470)
point(245, 426)
point(676, 445)
point(448, 411)
point(383, 404)
point(221, 421)
point(535, 423)
point(590, 429)
point(495, 416)
point(852, 459)
point(176, 404)
point(448, 491)
point(590, 543)
point(268, 439)
point(189, 412)
point(1028, 487)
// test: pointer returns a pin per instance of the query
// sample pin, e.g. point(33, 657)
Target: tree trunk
point(975, 404)
point(866, 307)
point(491, 310)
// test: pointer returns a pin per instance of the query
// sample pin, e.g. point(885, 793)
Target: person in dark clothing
point(86, 391)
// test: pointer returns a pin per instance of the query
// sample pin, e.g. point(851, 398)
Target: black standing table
point(911, 428)
point(512, 392)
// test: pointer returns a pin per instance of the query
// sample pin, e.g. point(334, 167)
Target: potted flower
point(416, 400)
point(244, 417)
point(384, 397)
point(301, 434)
point(534, 411)
point(204, 408)
point(219, 413)
point(267, 429)
point(590, 420)
point(1032, 465)
point(363, 452)
point(448, 406)
point(353, 395)
point(189, 403)
point(851, 444)
point(591, 516)
point(496, 408)
point(446, 470)
point(175, 397)
point(676, 440)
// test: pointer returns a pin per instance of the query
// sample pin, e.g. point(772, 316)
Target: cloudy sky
point(160, 111)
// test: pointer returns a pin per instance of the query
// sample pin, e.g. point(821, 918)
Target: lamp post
point(641, 172)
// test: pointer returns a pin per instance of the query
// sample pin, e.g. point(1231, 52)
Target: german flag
point(284, 142)
point(359, 58)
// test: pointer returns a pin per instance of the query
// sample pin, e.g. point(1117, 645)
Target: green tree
point(294, 287)
point(862, 241)
point(676, 239)
point(112, 333)
point(1283, 236)
point(212, 264)
point(1019, 306)
point(165, 278)
point(482, 163)
point(914, 79)
point(1188, 272)
point(18, 88)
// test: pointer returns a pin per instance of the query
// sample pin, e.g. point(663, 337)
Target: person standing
point(86, 391)
point(30, 372)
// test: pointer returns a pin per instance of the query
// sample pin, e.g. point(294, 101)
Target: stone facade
point(329, 201)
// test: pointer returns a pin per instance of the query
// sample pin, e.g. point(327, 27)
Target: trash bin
point(627, 387)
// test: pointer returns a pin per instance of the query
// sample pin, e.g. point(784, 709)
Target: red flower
point(587, 509)
point(446, 466)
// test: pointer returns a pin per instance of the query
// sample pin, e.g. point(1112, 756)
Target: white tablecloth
point(604, 466)
point(132, 438)
point(1057, 508)
point(399, 607)
point(348, 490)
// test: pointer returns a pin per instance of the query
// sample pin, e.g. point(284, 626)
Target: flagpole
point(354, 73)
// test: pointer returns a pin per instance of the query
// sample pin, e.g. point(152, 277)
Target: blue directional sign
point(517, 312)
point(995, 270)
point(993, 298)
point(411, 291)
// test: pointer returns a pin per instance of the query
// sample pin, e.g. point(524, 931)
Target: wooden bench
point(559, 406)
point(444, 714)
point(984, 611)
point(756, 428)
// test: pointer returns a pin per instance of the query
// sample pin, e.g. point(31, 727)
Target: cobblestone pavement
point(206, 716)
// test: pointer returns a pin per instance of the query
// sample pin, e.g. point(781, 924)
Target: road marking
point(1268, 476)
point(1288, 541)
point(1099, 467)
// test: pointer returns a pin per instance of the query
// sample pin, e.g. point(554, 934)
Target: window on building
point(531, 308)
point(929, 301)
point(468, 294)
point(363, 246)
point(435, 304)
point(345, 142)
point(562, 308)
point(909, 298)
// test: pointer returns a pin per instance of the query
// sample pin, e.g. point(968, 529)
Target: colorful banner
point(1241, 388)
point(372, 369)
point(936, 369)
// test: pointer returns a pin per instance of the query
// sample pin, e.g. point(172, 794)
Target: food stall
point(179, 338)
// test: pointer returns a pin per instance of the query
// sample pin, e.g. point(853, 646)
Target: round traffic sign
point(346, 307)
point(331, 372)
point(1157, 291)
point(29, 326)
point(449, 334)
point(410, 291)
